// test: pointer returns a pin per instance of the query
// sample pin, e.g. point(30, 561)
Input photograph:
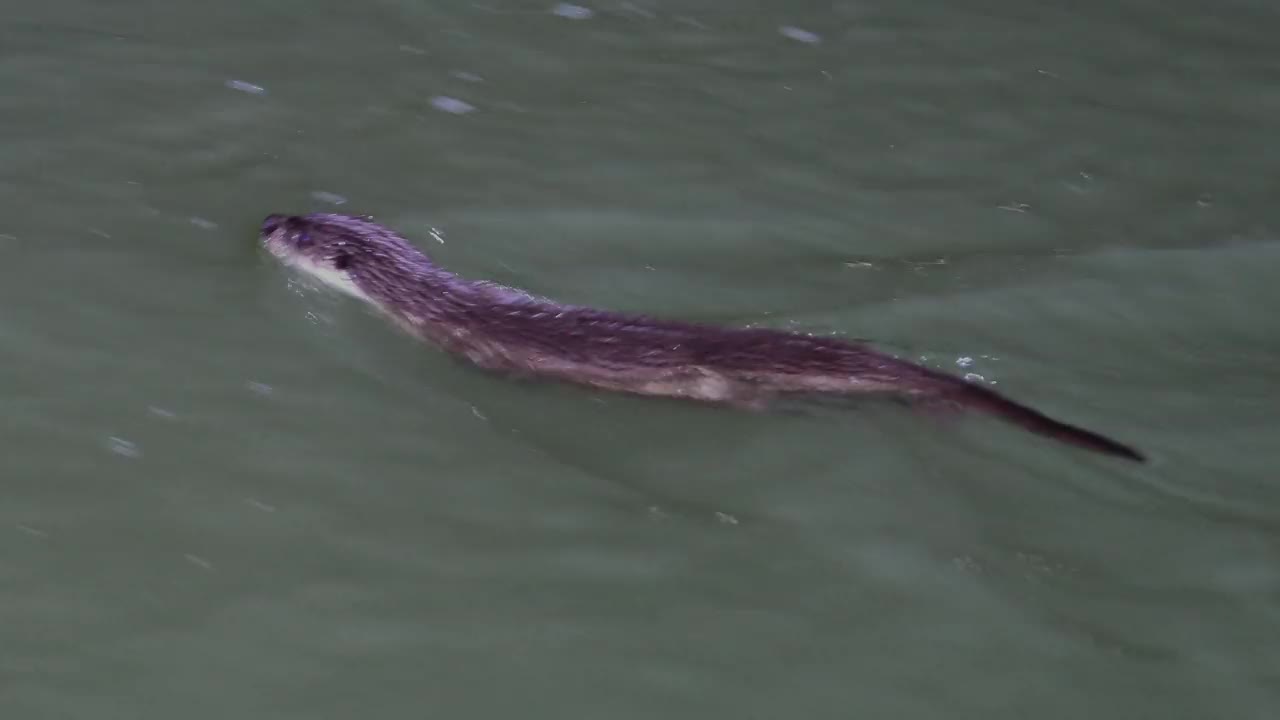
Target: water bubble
point(451, 105)
point(637, 10)
point(198, 561)
point(974, 377)
point(468, 76)
point(123, 447)
point(247, 87)
point(799, 35)
point(204, 224)
point(691, 22)
point(259, 505)
point(964, 361)
point(328, 197)
point(573, 12)
point(259, 388)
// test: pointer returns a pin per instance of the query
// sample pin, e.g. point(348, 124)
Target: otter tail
point(977, 397)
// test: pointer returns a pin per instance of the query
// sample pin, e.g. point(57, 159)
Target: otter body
point(503, 329)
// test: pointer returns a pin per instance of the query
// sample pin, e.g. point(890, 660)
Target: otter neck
point(419, 288)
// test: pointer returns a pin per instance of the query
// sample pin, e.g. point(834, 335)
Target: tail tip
point(1129, 453)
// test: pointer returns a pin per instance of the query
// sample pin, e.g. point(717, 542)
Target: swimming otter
point(499, 328)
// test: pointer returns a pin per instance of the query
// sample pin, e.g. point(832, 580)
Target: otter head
point(329, 247)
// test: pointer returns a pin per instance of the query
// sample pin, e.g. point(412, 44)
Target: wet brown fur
point(503, 329)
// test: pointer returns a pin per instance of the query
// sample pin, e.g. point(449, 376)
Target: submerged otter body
point(503, 329)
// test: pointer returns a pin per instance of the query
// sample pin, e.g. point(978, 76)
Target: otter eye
point(342, 261)
point(302, 239)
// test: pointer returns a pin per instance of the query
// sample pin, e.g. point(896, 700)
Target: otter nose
point(272, 223)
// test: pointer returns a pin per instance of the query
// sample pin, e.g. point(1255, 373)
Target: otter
point(503, 329)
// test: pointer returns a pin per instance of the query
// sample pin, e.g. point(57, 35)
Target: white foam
point(451, 105)
point(800, 35)
point(246, 87)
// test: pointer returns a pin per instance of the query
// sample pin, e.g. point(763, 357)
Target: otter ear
point(342, 260)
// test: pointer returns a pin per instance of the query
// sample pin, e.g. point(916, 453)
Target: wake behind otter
point(503, 329)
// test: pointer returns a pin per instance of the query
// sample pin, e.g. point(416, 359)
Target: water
point(229, 495)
